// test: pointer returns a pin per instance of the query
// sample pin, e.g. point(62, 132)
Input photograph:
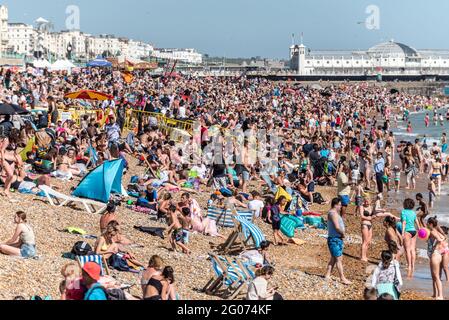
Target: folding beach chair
point(221, 274)
point(246, 236)
point(99, 259)
point(57, 199)
point(233, 274)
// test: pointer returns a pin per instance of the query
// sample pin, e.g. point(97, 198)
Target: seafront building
point(388, 58)
point(28, 41)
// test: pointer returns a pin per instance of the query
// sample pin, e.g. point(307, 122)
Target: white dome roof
point(393, 49)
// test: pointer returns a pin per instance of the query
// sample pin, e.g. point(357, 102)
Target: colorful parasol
point(88, 95)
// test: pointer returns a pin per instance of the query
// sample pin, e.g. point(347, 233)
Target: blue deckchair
point(231, 273)
point(224, 218)
point(98, 259)
point(251, 232)
point(246, 236)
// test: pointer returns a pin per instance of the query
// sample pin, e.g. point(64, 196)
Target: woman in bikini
point(436, 249)
point(111, 243)
point(393, 237)
point(436, 172)
point(11, 163)
point(367, 214)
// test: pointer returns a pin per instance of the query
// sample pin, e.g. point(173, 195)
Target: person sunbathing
point(22, 243)
point(111, 243)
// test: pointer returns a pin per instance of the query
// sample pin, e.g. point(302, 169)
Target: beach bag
point(118, 262)
point(81, 248)
point(318, 198)
point(226, 192)
point(115, 294)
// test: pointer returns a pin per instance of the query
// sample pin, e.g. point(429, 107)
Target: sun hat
point(93, 270)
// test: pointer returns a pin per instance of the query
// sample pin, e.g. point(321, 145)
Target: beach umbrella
point(88, 95)
point(99, 63)
point(11, 109)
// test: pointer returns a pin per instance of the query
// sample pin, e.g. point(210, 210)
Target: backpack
point(112, 294)
point(81, 248)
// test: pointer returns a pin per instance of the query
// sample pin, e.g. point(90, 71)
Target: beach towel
point(157, 232)
point(142, 210)
point(28, 148)
point(281, 192)
point(74, 230)
point(298, 242)
point(316, 222)
point(289, 224)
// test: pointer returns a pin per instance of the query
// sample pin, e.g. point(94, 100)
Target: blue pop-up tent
point(99, 62)
point(101, 182)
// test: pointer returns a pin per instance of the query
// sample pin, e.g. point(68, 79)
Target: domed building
point(392, 49)
point(387, 58)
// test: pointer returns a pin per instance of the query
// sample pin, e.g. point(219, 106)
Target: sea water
point(422, 281)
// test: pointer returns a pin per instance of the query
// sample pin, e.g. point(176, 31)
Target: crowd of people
point(251, 138)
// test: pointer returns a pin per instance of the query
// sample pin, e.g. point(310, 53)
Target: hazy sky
point(245, 28)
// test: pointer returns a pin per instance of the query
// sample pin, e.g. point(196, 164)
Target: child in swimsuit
point(175, 231)
point(397, 177)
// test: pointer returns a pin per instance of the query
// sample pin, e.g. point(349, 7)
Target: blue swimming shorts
point(345, 200)
point(336, 246)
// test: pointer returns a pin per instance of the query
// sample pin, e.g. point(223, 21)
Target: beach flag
point(127, 76)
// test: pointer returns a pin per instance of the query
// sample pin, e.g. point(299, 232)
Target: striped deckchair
point(232, 274)
point(224, 218)
point(100, 260)
point(246, 236)
point(251, 232)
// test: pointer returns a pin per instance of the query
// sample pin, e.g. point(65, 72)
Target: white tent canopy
point(122, 59)
point(62, 65)
point(41, 64)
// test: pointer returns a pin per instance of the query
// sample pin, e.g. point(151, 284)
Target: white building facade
point(4, 17)
point(21, 38)
point(388, 58)
point(184, 55)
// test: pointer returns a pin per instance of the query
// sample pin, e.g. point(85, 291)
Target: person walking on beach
point(335, 242)
point(427, 120)
point(379, 169)
point(275, 220)
point(344, 188)
point(409, 233)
